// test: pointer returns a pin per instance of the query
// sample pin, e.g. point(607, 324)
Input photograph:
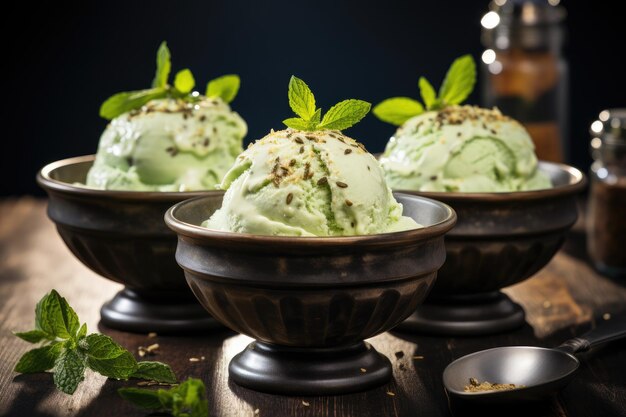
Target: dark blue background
point(61, 69)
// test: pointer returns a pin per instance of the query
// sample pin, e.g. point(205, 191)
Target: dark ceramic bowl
point(500, 239)
point(121, 236)
point(310, 302)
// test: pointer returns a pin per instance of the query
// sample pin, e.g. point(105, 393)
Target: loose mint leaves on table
point(67, 350)
point(185, 400)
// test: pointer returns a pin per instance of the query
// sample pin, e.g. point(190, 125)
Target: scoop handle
point(604, 332)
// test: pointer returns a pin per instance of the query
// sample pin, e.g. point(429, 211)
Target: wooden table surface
point(564, 299)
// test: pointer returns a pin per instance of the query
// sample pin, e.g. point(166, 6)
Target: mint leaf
point(226, 87)
point(186, 400)
point(428, 93)
point(39, 360)
point(82, 332)
point(184, 81)
point(459, 81)
point(397, 110)
point(316, 118)
point(154, 371)
point(142, 398)
point(108, 358)
point(121, 103)
point(344, 114)
point(301, 98)
point(189, 399)
point(163, 66)
point(33, 336)
point(54, 316)
point(69, 370)
point(297, 123)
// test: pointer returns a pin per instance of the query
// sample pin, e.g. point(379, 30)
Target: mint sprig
point(341, 116)
point(185, 400)
point(456, 87)
point(67, 350)
point(225, 87)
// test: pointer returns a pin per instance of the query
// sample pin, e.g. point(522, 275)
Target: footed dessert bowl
point(121, 236)
point(500, 239)
point(310, 301)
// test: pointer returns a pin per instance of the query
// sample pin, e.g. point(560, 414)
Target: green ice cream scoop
point(168, 145)
point(294, 183)
point(464, 149)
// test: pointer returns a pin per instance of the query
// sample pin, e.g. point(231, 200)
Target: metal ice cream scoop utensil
point(536, 372)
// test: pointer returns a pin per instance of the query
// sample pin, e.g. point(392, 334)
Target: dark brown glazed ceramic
point(500, 239)
point(310, 302)
point(121, 236)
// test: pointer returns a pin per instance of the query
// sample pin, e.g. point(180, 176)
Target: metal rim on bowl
point(577, 183)
point(45, 180)
point(380, 239)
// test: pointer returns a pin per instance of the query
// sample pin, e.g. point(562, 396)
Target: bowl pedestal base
point(161, 312)
point(465, 315)
point(310, 371)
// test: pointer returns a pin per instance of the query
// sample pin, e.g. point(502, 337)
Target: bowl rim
point(50, 184)
point(389, 238)
point(576, 186)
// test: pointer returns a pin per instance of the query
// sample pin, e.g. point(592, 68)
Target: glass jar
point(606, 214)
point(524, 73)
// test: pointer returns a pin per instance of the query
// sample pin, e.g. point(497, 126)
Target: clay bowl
point(500, 239)
point(310, 302)
point(121, 236)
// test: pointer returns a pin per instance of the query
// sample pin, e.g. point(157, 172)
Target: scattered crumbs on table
point(363, 370)
point(305, 403)
point(152, 335)
point(399, 354)
point(391, 394)
point(547, 304)
point(152, 350)
point(606, 316)
point(256, 411)
point(194, 359)
point(418, 357)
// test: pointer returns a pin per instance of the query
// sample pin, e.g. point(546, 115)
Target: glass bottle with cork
point(606, 214)
point(524, 73)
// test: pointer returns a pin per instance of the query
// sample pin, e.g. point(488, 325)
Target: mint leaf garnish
point(54, 316)
point(163, 66)
point(154, 371)
point(39, 360)
point(226, 87)
point(427, 91)
point(185, 400)
point(69, 370)
point(108, 358)
point(301, 98)
point(184, 81)
point(459, 81)
point(34, 336)
point(344, 114)
point(143, 398)
point(456, 87)
point(67, 350)
point(397, 110)
point(121, 103)
point(302, 101)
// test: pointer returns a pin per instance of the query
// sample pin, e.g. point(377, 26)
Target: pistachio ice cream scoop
point(168, 137)
point(320, 183)
point(310, 179)
point(443, 146)
point(169, 145)
point(465, 149)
